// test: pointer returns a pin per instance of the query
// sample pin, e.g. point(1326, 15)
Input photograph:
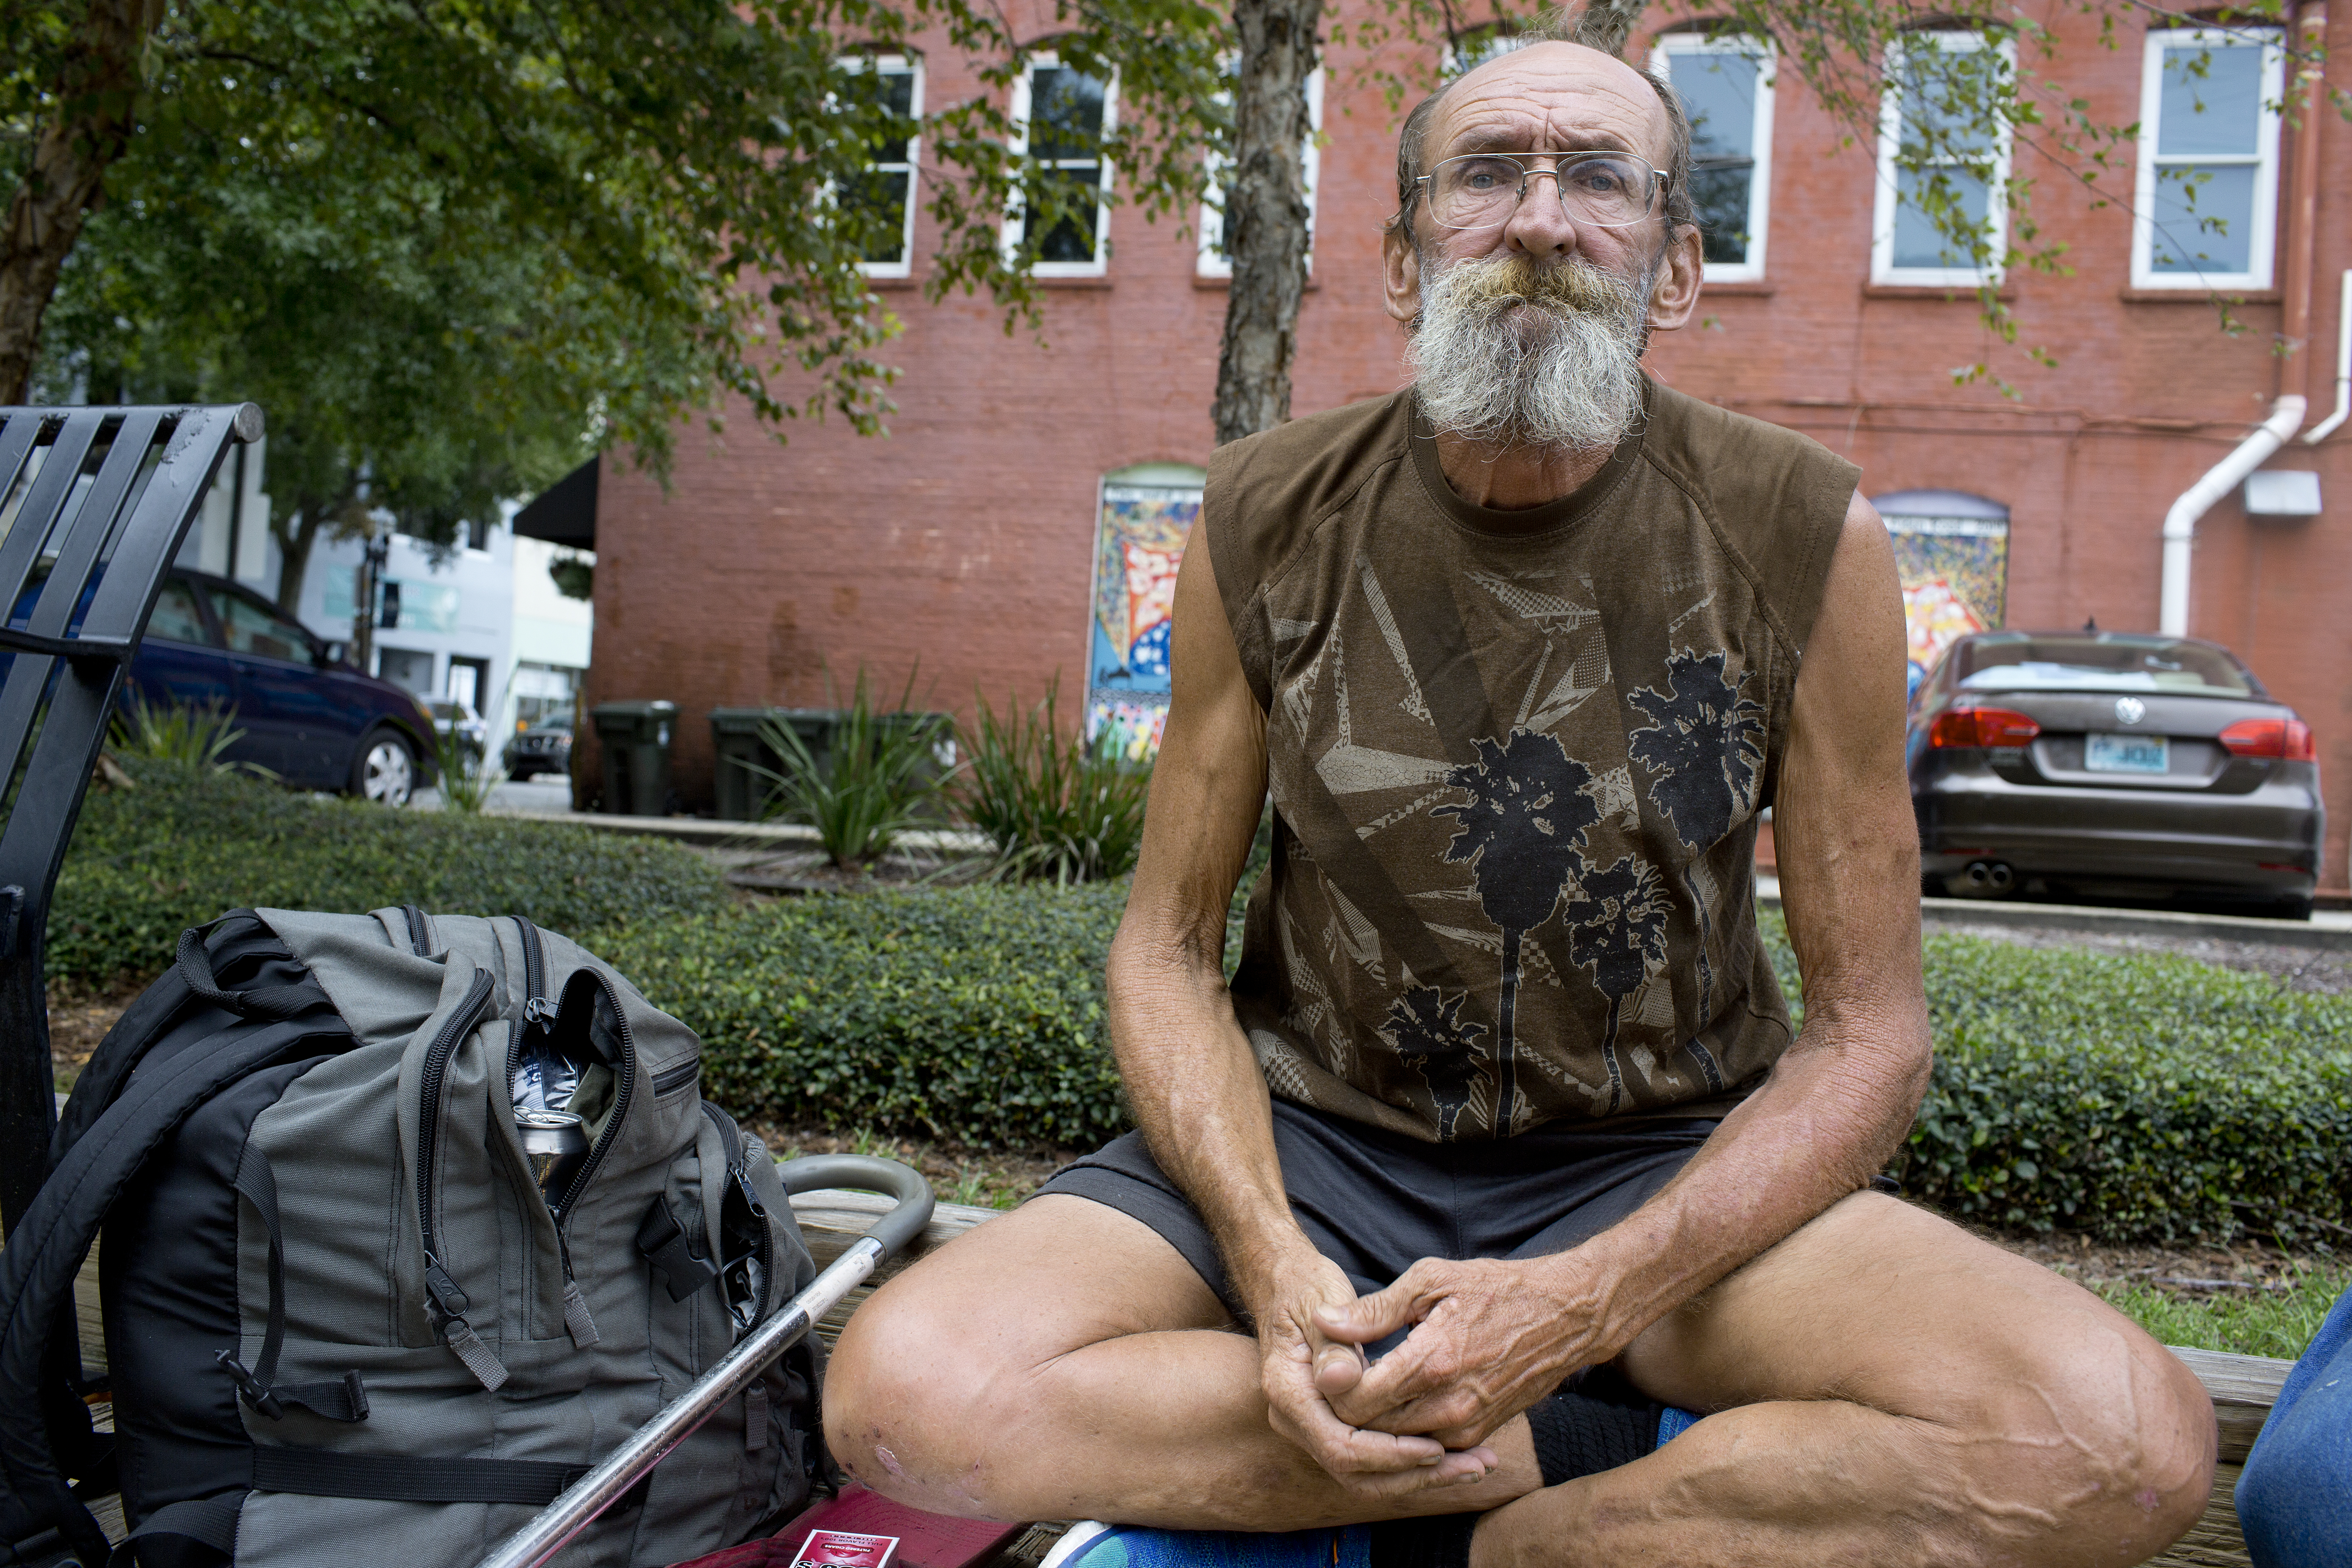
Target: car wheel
point(2296, 908)
point(386, 770)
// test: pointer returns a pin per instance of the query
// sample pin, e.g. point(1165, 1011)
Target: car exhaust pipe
point(1991, 878)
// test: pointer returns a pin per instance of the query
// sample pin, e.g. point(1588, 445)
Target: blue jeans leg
point(2295, 1502)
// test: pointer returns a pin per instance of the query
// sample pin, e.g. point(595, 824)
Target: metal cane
point(597, 1491)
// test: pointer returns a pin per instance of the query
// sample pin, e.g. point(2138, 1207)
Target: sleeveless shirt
point(1516, 760)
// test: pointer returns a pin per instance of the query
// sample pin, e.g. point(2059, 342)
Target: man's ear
point(1400, 273)
point(1676, 297)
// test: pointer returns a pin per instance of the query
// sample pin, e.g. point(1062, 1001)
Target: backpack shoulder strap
point(242, 970)
point(47, 1248)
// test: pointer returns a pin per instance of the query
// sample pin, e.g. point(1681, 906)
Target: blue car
point(308, 717)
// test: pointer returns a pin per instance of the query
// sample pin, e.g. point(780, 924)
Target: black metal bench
point(94, 504)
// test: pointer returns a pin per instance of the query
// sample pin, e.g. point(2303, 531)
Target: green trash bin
point(635, 740)
point(743, 796)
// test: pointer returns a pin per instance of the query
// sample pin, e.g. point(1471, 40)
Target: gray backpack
point(352, 1315)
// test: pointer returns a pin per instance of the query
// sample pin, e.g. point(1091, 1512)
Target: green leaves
point(972, 1014)
point(181, 846)
point(1058, 807)
point(2135, 1097)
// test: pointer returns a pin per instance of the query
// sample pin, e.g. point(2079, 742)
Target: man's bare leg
point(1065, 1361)
point(1894, 1392)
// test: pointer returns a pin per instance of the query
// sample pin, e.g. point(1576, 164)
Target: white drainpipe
point(2180, 522)
point(2326, 428)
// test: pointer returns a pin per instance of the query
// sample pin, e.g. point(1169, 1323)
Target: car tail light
point(1982, 727)
point(2289, 740)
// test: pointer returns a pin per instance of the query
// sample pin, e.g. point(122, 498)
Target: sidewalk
point(2327, 930)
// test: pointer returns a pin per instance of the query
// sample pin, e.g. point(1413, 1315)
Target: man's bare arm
point(1494, 1336)
point(1190, 1073)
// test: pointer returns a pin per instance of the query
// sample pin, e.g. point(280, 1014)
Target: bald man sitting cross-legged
point(1497, 1164)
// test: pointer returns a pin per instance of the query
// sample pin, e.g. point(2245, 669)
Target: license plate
point(2127, 754)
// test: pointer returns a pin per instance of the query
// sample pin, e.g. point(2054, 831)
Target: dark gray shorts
point(1376, 1203)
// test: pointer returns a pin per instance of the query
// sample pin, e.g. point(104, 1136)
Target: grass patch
point(183, 844)
point(2253, 1322)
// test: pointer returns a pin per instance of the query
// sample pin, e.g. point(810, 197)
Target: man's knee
point(908, 1395)
point(2103, 1434)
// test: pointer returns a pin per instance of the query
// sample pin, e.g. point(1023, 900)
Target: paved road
point(2314, 955)
point(543, 793)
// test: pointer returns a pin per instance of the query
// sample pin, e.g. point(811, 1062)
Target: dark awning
point(565, 511)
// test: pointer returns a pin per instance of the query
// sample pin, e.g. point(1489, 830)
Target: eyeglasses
point(1481, 190)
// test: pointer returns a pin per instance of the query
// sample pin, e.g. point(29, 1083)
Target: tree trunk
point(1268, 202)
point(294, 537)
point(96, 93)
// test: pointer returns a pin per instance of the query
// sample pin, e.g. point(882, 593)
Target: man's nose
point(1539, 225)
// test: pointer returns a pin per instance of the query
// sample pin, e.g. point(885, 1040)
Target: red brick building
point(966, 538)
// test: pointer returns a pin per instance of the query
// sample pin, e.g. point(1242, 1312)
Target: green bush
point(1058, 806)
point(185, 845)
point(2135, 1097)
point(974, 1013)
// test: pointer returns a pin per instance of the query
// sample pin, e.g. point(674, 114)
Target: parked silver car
point(2112, 764)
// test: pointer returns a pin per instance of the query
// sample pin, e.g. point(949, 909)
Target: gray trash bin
point(743, 796)
point(635, 739)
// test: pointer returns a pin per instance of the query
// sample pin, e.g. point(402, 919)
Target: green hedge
point(146, 863)
point(2134, 1098)
point(974, 1013)
point(2142, 1098)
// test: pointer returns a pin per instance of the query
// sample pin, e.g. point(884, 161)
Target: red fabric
point(925, 1540)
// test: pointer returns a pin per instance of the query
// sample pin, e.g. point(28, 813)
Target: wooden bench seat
point(2243, 1387)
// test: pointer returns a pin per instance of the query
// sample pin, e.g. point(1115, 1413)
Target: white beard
point(1511, 355)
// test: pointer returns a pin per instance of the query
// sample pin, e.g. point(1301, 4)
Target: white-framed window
point(1216, 227)
point(888, 188)
point(1724, 82)
point(1929, 155)
point(2205, 211)
point(1059, 114)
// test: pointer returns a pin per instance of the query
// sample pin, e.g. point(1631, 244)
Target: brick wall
point(962, 539)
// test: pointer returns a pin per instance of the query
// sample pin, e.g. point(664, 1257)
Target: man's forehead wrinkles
point(1576, 114)
point(1556, 138)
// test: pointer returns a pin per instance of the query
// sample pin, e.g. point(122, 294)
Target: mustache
point(1488, 287)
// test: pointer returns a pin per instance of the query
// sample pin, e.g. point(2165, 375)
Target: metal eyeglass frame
point(1659, 180)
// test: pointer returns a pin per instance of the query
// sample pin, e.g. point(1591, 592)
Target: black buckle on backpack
point(671, 1251)
point(249, 1388)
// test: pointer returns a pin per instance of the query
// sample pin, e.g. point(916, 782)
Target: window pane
point(1947, 96)
point(175, 618)
point(1073, 239)
point(252, 629)
point(892, 92)
point(879, 201)
point(1918, 241)
point(898, 97)
point(2212, 100)
point(1066, 112)
point(1718, 94)
point(2204, 219)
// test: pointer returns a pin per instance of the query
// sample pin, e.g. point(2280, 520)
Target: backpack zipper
point(613, 1121)
point(537, 1010)
point(764, 1248)
point(447, 1303)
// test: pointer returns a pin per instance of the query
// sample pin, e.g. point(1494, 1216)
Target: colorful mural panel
point(1955, 572)
point(1138, 543)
